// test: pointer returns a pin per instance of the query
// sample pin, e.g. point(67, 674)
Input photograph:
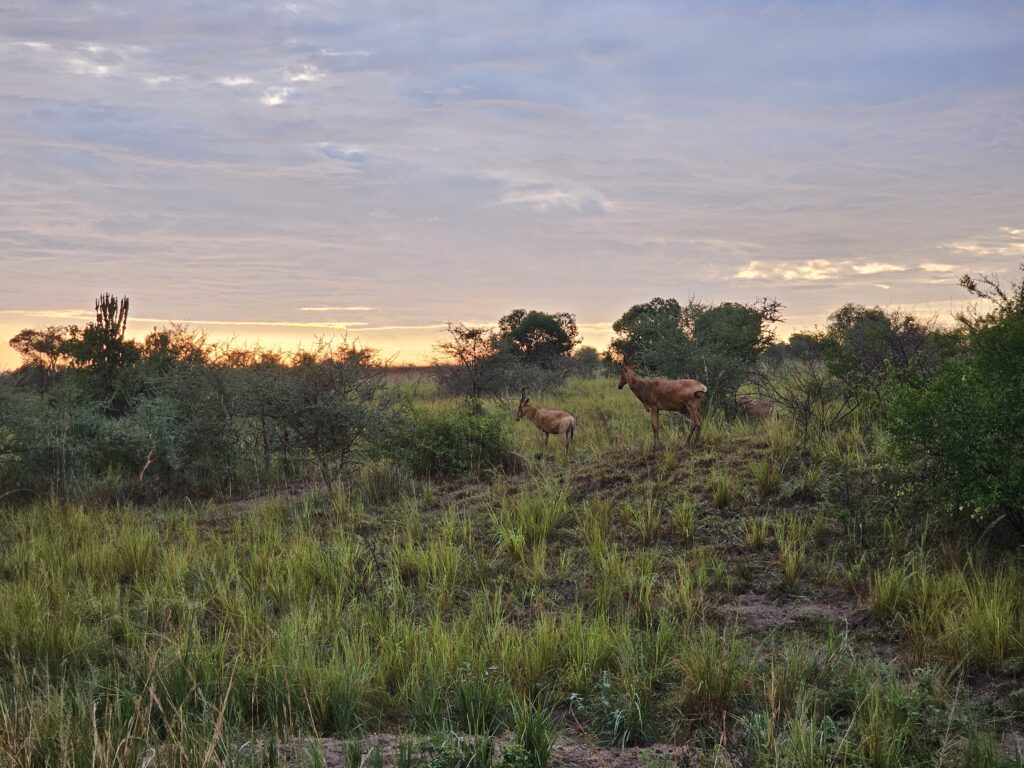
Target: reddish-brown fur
point(756, 407)
point(548, 421)
point(666, 395)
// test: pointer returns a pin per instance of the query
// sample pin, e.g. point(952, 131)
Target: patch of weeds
point(534, 727)
point(452, 751)
point(645, 518)
point(684, 518)
point(755, 532)
point(722, 491)
point(614, 716)
point(767, 476)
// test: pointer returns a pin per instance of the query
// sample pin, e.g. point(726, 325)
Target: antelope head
point(626, 372)
point(523, 401)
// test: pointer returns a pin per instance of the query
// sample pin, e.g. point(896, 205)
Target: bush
point(967, 422)
point(964, 425)
point(450, 441)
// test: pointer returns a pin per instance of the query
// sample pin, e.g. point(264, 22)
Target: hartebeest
point(548, 421)
point(666, 395)
point(756, 407)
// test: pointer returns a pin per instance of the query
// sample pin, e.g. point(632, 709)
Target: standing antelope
point(549, 422)
point(666, 395)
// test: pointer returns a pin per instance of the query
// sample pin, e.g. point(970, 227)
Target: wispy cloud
point(442, 160)
point(274, 97)
point(877, 267)
point(335, 309)
point(307, 73)
point(234, 81)
point(812, 270)
point(1006, 241)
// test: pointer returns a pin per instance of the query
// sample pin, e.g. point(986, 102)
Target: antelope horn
point(522, 398)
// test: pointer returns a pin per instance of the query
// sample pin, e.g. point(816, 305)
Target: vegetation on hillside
point(232, 557)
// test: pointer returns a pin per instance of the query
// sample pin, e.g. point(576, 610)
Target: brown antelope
point(756, 407)
point(549, 422)
point(666, 395)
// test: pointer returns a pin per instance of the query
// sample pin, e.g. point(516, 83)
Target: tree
point(470, 351)
point(538, 338)
point(867, 346)
point(645, 326)
point(586, 361)
point(106, 355)
point(46, 350)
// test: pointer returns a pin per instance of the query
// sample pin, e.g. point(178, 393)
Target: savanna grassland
point(750, 601)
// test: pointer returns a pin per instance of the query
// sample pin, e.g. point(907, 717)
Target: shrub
point(450, 441)
point(966, 425)
point(615, 715)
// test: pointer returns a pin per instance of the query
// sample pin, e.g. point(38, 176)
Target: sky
point(277, 171)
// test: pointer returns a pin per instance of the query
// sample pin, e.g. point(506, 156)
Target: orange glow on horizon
point(399, 345)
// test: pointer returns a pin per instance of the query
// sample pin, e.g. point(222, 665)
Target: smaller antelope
point(549, 422)
point(756, 407)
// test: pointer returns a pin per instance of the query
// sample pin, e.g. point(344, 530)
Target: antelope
point(666, 395)
point(549, 421)
point(756, 407)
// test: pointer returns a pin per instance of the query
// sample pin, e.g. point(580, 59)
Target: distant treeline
point(92, 414)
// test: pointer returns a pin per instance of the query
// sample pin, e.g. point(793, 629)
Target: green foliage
point(867, 346)
point(614, 713)
point(966, 425)
point(453, 751)
point(450, 440)
point(535, 730)
point(538, 338)
point(644, 328)
point(717, 344)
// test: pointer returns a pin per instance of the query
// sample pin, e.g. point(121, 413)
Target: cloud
point(930, 266)
point(1005, 242)
point(751, 272)
point(308, 73)
point(812, 270)
point(449, 160)
point(274, 97)
point(356, 155)
point(335, 309)
point(234, 81)
point(548, 198)
point(876, 267)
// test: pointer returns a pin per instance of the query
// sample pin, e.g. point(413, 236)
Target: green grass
point(594, 600)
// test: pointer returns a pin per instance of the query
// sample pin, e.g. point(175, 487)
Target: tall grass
point(490, 608)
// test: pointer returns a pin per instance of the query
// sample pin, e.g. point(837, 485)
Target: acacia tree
point(47, 350)
point(470, 351)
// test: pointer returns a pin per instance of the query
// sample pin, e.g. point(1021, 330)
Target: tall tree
point(539, 338)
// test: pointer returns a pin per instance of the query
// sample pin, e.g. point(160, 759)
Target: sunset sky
point(284, 170)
